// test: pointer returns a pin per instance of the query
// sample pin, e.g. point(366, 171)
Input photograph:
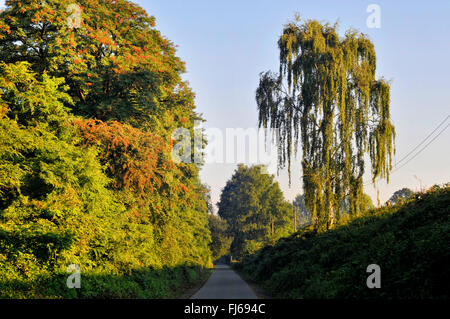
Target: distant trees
point(220, 236)
point(302, 214)
point(367, 203)
point(400, 196)
point(255, 210)
point(304, 217)
point(326, 96)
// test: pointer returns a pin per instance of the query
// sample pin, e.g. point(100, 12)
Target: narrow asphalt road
point(224, 283)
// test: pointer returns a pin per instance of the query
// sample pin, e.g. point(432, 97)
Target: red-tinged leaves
point(136, 160)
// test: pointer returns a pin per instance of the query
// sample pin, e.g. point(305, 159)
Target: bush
point(409, 241)
point(135, 232)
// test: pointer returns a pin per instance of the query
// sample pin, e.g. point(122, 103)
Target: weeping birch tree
point(326, 96)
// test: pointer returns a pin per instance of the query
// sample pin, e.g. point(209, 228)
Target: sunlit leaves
point(327, 98)
point(116, 51)
point(86, 175)
point(255, 210)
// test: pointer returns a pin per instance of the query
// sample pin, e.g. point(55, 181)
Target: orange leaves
point(102, 36)
point(184, 120)
point(132, 154)
point(136, 49)
point(5, 28)
point(139, 162)
point(72, 40)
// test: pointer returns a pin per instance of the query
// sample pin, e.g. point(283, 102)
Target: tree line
point(253, 213)
point(86, 175)
point(327, 104)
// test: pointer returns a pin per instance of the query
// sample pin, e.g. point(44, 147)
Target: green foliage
point(327, 97)
point(86, 175)
point(409, 242)
point(255, 209)
point(117, 65)
point(167, 282)
point(220, 237)
point(54, 199)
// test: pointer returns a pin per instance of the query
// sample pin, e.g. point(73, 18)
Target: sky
point(227, 44)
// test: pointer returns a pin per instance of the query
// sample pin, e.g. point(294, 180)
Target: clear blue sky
point(226, 44)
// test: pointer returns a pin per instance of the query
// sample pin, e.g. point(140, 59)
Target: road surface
point(224, 283)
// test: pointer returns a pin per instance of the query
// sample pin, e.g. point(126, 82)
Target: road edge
point(193, 290)
point(260, 292)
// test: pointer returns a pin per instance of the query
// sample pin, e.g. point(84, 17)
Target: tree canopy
point(400, 196)
point(255, 210)
point(116, 64)
point(86, 172)
point(326, 97)
point(220, 237)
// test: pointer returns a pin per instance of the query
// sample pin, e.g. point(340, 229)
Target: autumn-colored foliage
point(118, 66)
point(131, 155)
point(86, 174)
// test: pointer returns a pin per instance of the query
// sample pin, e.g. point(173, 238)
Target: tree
point(220, 237)
point(86, 170)
point(207, 196)
point(54, 197)
point(302, 213)
point(367, 203)
point(123, 82)
point(326, 96)
point(400, 196)
point(116, 64)
point(255, 209)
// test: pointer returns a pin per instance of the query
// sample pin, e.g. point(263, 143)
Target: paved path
point(224, 283)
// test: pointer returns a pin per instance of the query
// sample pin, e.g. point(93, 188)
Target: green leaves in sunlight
point(255, 210)
point(86, 175)
point(326, 96)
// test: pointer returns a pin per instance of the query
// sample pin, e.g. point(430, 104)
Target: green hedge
point(410, 242)
point(151, 283)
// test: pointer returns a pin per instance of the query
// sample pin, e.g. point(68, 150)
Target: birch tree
point(326, 96)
